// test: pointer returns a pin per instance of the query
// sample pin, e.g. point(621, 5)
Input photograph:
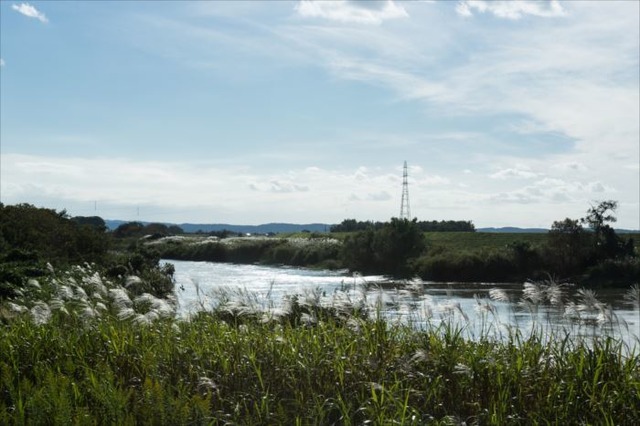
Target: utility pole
point(405, 210)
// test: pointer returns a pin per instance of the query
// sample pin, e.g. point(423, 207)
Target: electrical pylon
point(405, 210)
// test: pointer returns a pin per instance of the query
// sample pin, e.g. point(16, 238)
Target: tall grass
point(317, 359)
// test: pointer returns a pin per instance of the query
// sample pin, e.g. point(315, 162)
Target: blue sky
point(508, 113)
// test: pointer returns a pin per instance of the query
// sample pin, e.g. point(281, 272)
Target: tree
point(598, 216)
point(49, 235)
point(607, 244)
point(93, 221)
point(129, 229)
point(386, 250)
point(568, 242)
point(396, 243)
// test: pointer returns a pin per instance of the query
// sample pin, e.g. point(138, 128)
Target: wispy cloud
point(30, 11)
point(511, 9)
point(513, 173)
point(552, 191)
point(362, 12)
point(1, 62)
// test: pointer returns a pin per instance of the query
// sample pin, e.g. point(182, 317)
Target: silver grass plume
point(120, 298)
point(95, 284)
point(40, 313)
point(555, 293)
point(499, 295)
point(17, 309)
point(533, 292)
point(632, 296)
point(588, 300)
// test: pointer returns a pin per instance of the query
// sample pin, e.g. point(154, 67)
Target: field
point(481, 240)
point(465, 241)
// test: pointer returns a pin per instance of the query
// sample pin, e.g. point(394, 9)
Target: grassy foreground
point(83, 350)
point(207, 371)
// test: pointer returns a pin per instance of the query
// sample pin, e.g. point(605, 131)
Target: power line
point(405, 209)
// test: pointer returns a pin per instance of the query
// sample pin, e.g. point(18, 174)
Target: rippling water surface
point(422, 303)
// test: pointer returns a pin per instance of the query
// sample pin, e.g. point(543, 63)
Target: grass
point(460, 241)
point(311, 361)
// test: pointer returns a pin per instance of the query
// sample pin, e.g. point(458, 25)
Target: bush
point(617, 272)
point(387, 250)
point(48, 235)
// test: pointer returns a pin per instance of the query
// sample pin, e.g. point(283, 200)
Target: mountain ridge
point(282, 227)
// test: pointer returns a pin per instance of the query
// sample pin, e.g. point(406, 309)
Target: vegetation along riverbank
point(89, 335)
point(587, 251)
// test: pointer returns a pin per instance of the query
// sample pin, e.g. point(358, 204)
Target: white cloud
point(207, 193)
point(434, 180)
point(553, 190)
point(281, 186)
point(514, 173)
point(28, 10)
point(236, 194)
point(360, 12)
point(379, 196)
point(511, 9)
point(1, 62)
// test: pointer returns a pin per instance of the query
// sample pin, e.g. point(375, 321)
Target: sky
point(508, 113)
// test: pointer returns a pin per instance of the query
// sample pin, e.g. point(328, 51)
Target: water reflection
point(482, 309)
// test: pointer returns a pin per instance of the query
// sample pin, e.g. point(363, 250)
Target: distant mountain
point(278, 228)
point(266, 228)
point(275, 228)
point(514, 230)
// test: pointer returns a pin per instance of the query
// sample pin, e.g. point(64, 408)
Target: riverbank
point(446, 257)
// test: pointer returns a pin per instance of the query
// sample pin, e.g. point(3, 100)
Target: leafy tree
point(129, 229)
point(49, 234)
point(396, 243)
point(93, 221)
point(358, 251)
point(352, 225)
point(569, 246)
point(387, 250)
point(447, 226)
point(608, 244)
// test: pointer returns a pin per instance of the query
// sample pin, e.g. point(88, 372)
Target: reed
point(316, 359)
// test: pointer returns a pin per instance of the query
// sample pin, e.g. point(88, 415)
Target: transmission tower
point(405, 210)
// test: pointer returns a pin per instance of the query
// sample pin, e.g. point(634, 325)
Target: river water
point(202, 285)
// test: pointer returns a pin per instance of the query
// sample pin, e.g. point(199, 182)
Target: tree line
point(585, 249)
point(35, 241)
point(353, 225)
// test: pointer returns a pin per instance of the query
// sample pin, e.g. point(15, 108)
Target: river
point(201, 285)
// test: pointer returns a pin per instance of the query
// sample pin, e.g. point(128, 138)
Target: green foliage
point(570, 247)
point(387, 250)
point(310, 250)
point(311, 364)
point(600, 254)
point(208, 371)
point(48, 235)
point(608, 245)
point(150, 230)
point(446, 226)
point(353, 225)
point(95, 222)
point(469, 266)
point(31, 237)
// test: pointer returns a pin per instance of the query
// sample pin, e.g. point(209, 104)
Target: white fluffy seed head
point(40, 313)
point(499, 295)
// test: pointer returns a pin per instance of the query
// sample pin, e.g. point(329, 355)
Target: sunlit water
point(423, 304)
